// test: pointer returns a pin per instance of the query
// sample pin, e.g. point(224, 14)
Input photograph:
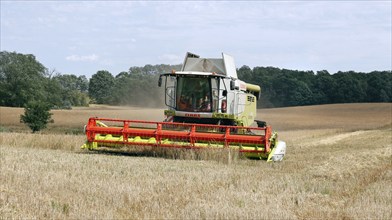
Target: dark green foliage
point(290, 92)
point(323, 87)
point(21, 79)
point(282, 87)
point(36, 115)
point(101, 87)
point(73, 90)
point(137, 87)
point(24, 79)
point(379, 87)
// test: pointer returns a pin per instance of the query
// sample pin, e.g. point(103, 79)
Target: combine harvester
point(208, 107)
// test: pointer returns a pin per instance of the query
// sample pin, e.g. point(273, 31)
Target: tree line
point(24, 79)
point(280, 87)
point(137, 87)
point(283, 87)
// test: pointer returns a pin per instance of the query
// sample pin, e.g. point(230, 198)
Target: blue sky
point(82, 37)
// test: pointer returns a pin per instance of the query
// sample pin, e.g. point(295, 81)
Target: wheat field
point(338, 166)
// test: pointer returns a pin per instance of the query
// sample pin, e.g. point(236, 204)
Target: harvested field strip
point(338, 166)
point(74, 185)
point(340, 179)
point(44, 141)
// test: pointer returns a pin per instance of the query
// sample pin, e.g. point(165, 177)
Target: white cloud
point(170, 58)
point(76, 58)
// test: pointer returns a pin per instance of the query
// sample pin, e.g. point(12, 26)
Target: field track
point(338, 166)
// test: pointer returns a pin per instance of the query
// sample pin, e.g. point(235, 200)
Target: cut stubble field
point(338, 165)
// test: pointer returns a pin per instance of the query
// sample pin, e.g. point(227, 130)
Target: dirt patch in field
point(339, 137)
point(357, 116)
point(332, 137)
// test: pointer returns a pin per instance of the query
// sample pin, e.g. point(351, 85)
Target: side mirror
point(224, 93)
point(232, 85)
point(160, 81)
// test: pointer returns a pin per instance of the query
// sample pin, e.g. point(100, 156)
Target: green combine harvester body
point(208, 107)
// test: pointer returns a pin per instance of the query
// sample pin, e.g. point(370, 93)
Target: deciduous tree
point(101, 86)
point(36, 115)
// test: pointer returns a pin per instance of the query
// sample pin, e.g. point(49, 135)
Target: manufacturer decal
point(251, 99)
point(192, 115)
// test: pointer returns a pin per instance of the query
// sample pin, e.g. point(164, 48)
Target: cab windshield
point(194, 94)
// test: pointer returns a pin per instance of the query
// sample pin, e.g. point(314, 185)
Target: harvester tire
point(261, 124)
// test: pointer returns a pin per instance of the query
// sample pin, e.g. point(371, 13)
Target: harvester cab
point(208, 107)
point(208, 91)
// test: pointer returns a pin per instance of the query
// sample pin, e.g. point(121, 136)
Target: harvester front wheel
point(261, 124)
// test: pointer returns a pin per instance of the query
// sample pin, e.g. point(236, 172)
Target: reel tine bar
point(178, 135)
